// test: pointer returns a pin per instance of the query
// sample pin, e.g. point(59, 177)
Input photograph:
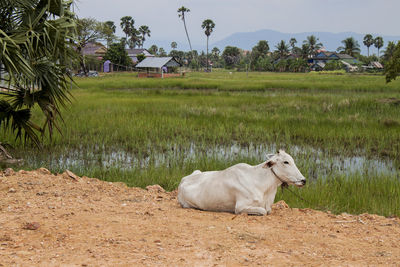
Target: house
point(159, 67)
point(94, 49)
point(319, 61)
point(133, 53)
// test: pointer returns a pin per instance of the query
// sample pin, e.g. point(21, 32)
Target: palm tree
point(144, 30)
point(293, 43)
point(351, 47)
point(36, 47)
point(209, 26)
point(378, 42)
point(282, 48)
point(127, 25)
point(313, 44)
point(174, 45)
point(368, 41)
point(181, 14)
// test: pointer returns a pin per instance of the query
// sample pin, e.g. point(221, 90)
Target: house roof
point(93, 49)
point(158, 62)
point(138, 51)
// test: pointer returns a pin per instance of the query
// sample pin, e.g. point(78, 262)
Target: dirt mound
point(53, 220)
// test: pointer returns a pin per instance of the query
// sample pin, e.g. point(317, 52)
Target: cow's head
point(282, 165)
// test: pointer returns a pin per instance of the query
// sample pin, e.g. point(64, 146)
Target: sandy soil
point(65, 220)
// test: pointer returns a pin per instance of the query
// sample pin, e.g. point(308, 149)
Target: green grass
point(118, 130)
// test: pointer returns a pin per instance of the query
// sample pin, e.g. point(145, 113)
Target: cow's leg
point(269, 201)
point(248, 209)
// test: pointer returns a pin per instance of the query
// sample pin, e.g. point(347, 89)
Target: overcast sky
point(230, 16)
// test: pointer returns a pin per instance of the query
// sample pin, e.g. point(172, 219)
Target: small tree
point(153, 50)
point(88, 30)
point(117, 54)
point(392, 68)
point(231, 56)
point(174, 45)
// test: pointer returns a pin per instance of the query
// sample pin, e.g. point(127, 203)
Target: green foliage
point(231, 56)
point(282, 49)
point(35, 40)
point(333, 65)
point(117, 54)
point(351, 47)
point(258, 53)
point(368, 41)
point(140, 57)
point(392, 68)
point(378, 42)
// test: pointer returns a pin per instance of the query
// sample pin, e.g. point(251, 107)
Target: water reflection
point(314, 163)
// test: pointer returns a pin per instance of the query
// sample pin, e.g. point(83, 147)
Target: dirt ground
point(65, 220)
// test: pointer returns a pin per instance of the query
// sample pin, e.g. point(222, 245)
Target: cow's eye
point(286, 162)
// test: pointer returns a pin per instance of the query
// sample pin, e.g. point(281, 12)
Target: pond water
point(313, 163)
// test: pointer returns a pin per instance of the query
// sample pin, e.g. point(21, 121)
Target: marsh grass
point(146, 131)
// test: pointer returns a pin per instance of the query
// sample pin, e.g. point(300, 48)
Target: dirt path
point(55, 220)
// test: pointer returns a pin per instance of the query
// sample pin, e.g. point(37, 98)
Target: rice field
point(342, 130)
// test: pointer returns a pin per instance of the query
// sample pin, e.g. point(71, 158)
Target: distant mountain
point(331, 41)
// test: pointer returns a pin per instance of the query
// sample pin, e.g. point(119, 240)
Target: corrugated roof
point(155, 62)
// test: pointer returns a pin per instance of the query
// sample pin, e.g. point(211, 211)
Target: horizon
point(290, 16)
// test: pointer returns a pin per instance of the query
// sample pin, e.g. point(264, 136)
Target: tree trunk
point(207, 54)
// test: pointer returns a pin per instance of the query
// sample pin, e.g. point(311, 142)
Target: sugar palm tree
point(378, 42)
point(351, 47)
point(144, 30)
point(127, 25)
point(181, 14)
point(36, 40)
point(209, 26)
point(368, 41)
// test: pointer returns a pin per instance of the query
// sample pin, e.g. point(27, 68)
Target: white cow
point(241, 188)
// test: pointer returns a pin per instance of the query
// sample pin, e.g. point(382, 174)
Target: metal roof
point(158, 62)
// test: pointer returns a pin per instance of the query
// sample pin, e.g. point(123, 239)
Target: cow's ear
point(269, 164)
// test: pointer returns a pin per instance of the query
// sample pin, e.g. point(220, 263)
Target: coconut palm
point(181, 14)
point(35, 40)
point(209, 26)
point(378, 42)
point(368, 41)
point(293, 43)
point(351, 47)
point(174, 45)
point(313, 44)
point(282, 49)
